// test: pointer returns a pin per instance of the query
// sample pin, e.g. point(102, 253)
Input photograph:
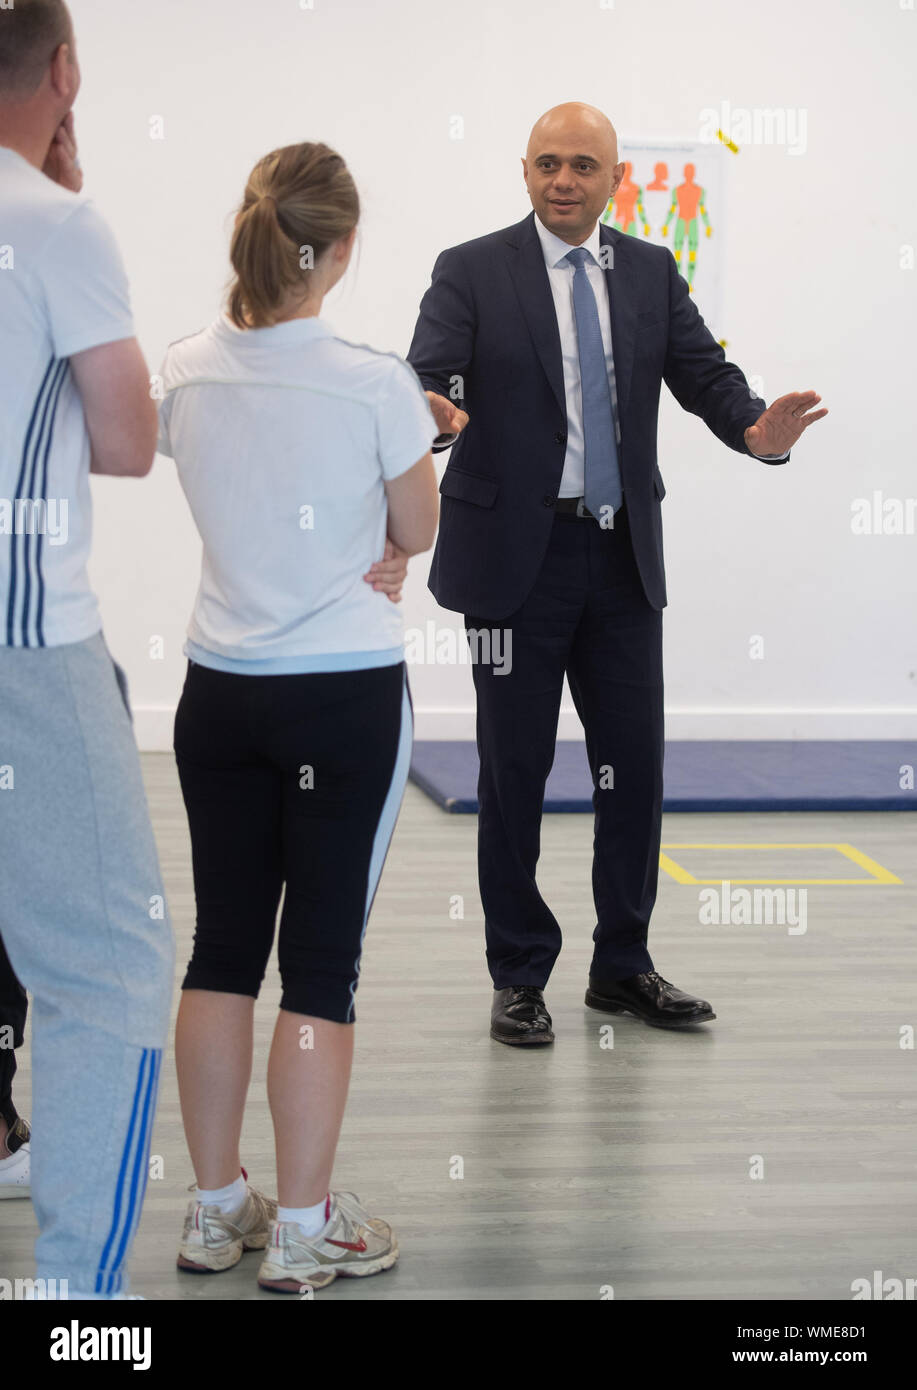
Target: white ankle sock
point(311, 1219)
point(226, 1198)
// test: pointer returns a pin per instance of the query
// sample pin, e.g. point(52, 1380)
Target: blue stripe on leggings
point(386, 826)
point(147, 1072)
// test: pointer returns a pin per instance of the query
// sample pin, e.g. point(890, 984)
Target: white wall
point(815, 295)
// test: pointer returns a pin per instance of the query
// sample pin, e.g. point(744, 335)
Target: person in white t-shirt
point(82, 915)
point(307, 464)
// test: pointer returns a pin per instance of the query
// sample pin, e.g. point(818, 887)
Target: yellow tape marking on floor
point(877, 873)
point(675, 870)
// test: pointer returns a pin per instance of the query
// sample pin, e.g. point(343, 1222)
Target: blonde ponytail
point(299, 200)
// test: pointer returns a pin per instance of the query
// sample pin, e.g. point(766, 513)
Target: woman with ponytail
point(306, 461)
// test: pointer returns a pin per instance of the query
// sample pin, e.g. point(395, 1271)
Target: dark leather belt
point(576, 506)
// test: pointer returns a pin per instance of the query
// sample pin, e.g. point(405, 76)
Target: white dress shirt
point(560, 278)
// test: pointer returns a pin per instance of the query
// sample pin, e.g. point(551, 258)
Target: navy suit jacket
point(488, 319)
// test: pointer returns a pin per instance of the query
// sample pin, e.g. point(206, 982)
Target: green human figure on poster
point(621, 207)
point(687, 200)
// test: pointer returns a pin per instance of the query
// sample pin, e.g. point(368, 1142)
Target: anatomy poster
point(673, 193)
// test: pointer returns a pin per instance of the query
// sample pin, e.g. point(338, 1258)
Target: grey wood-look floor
point(587, 1167)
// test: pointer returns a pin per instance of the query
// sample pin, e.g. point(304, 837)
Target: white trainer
point(15, 1171)
point(214, 1240)
point(351, 1245)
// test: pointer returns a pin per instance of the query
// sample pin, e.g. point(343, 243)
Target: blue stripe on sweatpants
point(386, 827)
point(141, 1170)
point(136, 1147)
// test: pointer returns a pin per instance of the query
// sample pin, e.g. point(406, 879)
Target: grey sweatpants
point(84, 922)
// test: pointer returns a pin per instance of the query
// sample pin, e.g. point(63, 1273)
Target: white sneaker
point(15, 1171)
point(214, 1240)
point(350, 1244)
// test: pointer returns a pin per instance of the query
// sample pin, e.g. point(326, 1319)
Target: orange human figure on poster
point(688, 200)
point(629, 195)
point(660, 178)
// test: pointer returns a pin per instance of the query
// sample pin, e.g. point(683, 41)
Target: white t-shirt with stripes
point(283, 438)
point(63, 289)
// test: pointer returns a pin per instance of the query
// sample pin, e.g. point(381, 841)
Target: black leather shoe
point(649, 997)
point(519, 1017)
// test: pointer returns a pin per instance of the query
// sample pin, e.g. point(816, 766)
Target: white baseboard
point(153, 724)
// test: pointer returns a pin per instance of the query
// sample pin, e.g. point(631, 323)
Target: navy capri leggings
point(290, 782)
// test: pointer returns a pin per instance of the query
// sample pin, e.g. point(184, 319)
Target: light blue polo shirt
point(284, 438)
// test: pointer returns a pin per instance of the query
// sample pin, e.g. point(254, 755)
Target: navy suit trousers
point(587, 617)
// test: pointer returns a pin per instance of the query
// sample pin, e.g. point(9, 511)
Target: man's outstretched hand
point(783, 422)
point(449, 419)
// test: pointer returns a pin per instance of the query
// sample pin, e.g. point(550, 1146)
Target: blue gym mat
point(772, 775)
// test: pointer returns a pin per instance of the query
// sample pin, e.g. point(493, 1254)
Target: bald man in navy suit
point(542, 349)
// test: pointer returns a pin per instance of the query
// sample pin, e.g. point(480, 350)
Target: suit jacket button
point(549, 500)
point(560, 438)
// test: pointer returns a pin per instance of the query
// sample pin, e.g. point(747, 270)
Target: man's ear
point(617, 175)
point(64, 74)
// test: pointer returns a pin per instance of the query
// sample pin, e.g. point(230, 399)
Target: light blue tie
point(602, 487)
